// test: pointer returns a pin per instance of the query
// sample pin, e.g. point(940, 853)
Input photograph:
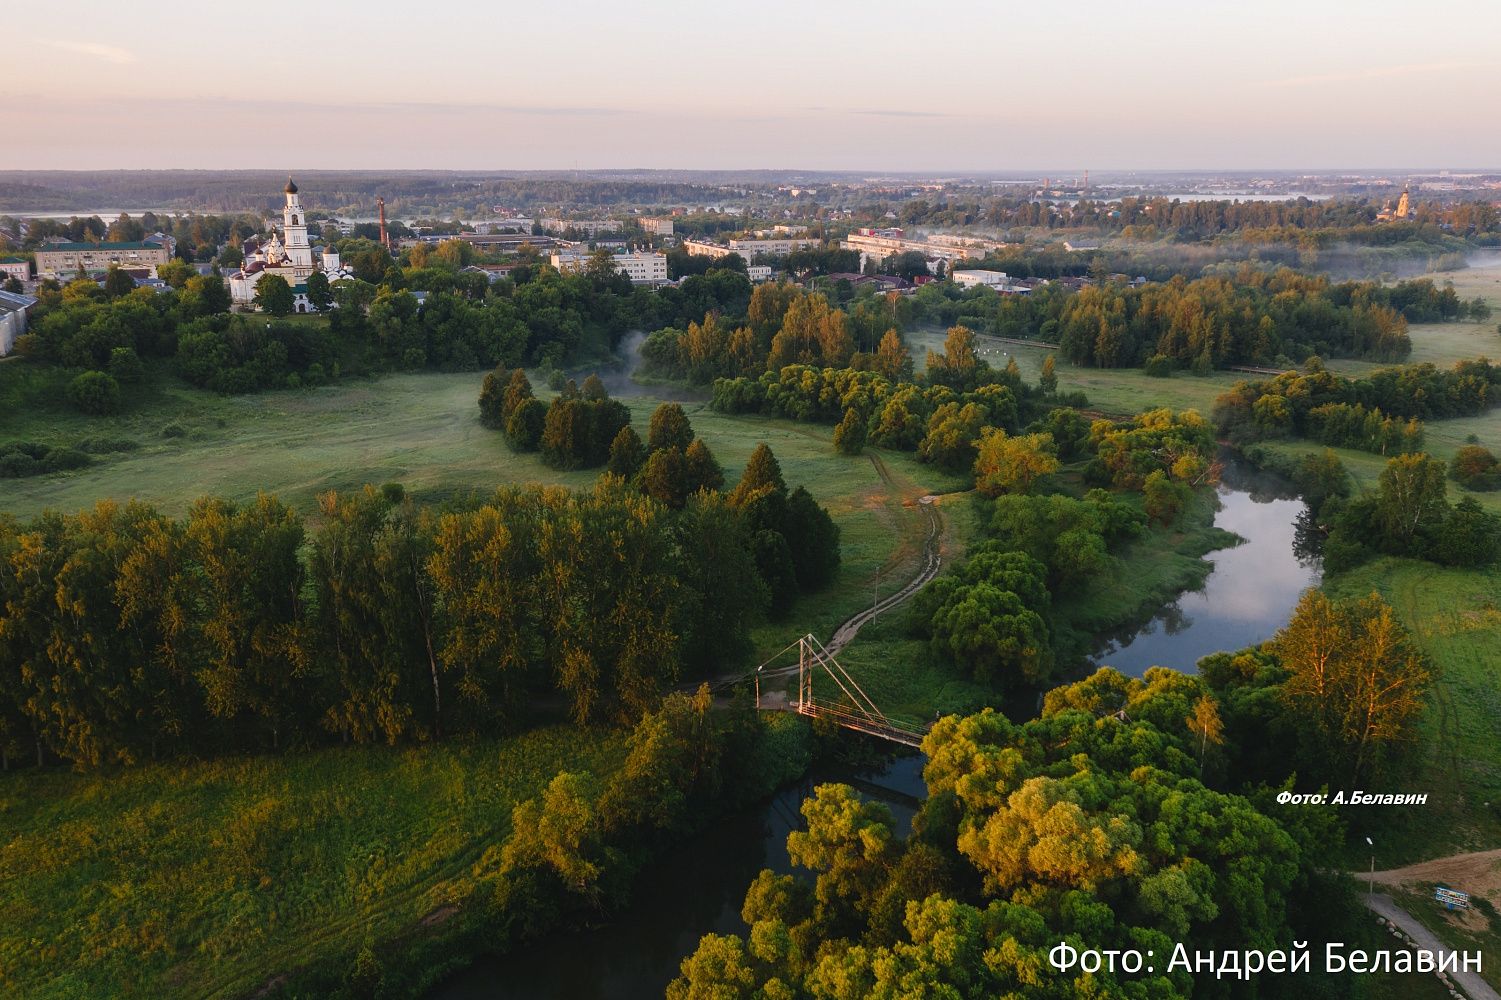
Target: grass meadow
point(1455, 616)
point(422, 430)
point(210, 879)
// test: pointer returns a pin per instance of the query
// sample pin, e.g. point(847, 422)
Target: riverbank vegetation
point(993, 875)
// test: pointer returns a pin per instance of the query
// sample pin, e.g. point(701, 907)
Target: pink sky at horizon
point(875, 86)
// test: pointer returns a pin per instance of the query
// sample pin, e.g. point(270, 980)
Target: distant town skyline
point(878, 86)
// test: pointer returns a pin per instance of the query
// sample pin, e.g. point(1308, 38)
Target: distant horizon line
point(1064, 170)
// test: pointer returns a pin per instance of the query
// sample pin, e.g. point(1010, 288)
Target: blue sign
point(1452, 898)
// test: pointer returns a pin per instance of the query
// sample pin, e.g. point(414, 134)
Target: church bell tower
point(294, 234)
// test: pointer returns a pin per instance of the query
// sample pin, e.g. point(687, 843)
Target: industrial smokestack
point(381, 204)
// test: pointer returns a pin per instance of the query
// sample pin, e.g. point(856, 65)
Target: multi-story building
point(15, 267)
point(749, 249)
point(703, 248)
point(878, 244)
point(642, 267)
point(584, 227)
point(61, 260)
point(502, 242)
point(657, 227)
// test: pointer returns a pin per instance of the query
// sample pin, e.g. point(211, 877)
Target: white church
point(289, 255)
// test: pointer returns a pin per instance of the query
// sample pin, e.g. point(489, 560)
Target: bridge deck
point(860, 722)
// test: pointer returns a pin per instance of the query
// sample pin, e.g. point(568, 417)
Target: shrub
point(95, 393)
point(27, 458)
point(1475, 468)
point(1160, 366)
point(107, 445)
point(125, 365)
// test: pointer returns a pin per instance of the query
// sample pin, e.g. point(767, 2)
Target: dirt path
point(1478, 873)
point(1470, 982)
point(932, 562)
point(844, 634)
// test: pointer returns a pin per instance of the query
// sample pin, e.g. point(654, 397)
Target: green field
point(1445, 343)
point(208, 880)
point(900, 673)
point(423, 430)
point(1442, 439)
point(1455, 615)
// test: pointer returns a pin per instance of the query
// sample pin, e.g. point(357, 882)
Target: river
point(1248, 595)
point(696, 890)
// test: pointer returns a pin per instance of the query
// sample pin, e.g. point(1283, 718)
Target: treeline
point(1349, 219)
point(941, 417)
point(1213, 322)
point(1407, 514)
point(781, 325)
point(994, 874)
point(576, 431)
point(127, 634)
point(1346, 426)
point(1405, 391)
point(198, 236)
point(1249, 316)
point(794, 542)
point(1376, 412)
point(540, 318)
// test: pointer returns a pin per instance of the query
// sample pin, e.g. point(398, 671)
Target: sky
point(813, 84)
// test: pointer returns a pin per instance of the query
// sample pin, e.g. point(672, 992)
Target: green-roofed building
point(63, 260)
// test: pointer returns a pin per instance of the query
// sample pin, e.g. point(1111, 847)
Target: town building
point(13, 312)
point(758, 273)
point(880, 282)
point(878, 244)
point(63, 260)
point(584, 227)
point(288, 255)
point(494, 272)
point(502, 242)
point(748, 249)
point(15, 267)
point(656, 227)
point(997, 280)
point(642, 267)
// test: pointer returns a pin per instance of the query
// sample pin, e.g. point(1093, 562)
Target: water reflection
point(1250, 592)
point(695, 891)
